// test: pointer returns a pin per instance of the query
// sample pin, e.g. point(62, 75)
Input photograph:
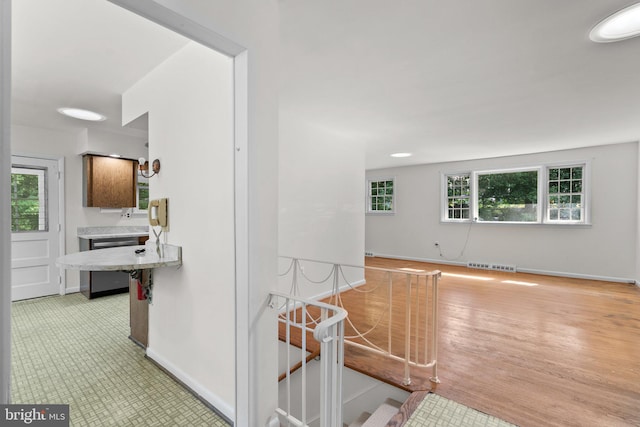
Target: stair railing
point(419, 328)
point(308, 324)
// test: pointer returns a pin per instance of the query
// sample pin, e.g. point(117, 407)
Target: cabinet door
point(109, 182)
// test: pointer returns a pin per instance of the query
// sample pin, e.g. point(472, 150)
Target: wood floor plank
point(560, 352)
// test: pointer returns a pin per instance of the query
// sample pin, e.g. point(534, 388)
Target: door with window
point(35, 227)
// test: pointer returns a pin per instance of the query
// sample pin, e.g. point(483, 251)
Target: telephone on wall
point(158, 215)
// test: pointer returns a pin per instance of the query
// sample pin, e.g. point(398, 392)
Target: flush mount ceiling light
point(79, 113)
point(622, 25)
point(401, 155)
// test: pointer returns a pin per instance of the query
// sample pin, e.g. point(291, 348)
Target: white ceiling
point(459, 79)
point(80, 53)
point(445, 80)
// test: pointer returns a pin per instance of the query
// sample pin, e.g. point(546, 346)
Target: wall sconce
point(143, 164)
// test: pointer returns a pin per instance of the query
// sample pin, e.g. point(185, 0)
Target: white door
point(35, 228)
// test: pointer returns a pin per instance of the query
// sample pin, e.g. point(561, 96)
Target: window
point(507, 196)
point(553, 194)
point(565, 194)
point(142, 194)
point(458, 192)
point(28, 200)
point(380, 196)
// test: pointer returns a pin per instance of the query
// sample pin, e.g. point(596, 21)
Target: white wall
point(605, 249)
point(320, 199)
point(254, 25)
point(189, 98)
point(34, 141)
point(320, 194)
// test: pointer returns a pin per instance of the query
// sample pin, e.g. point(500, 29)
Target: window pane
point(565, 173)
point(553, 214)
point(554, 174)
point(576, 186)
point(553, 187)
point(28, 200)
point(509, 196)
point(576, 173)
point(565, 186)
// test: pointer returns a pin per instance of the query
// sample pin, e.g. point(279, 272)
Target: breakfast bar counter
point(122, 258)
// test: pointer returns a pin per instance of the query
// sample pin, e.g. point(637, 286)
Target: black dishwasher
point(100, 283)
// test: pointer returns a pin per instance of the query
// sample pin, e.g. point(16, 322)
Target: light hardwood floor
point(547, 351)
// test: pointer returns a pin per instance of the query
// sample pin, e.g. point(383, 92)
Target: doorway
point(36, 227)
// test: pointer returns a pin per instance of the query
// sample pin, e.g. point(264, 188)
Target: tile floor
point(436, 411)
point(74, 351)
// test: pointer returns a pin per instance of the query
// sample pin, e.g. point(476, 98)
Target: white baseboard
point(520, 270)
point(429, 260)
point(72, 290)
point(342, 288)
point(576, 275)
point(218, 404)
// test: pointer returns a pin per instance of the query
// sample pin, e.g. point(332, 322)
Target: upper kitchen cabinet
point(109, 182)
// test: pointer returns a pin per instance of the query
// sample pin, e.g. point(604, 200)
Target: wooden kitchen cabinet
point(109, 182)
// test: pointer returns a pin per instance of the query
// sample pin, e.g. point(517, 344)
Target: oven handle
point(100, 245)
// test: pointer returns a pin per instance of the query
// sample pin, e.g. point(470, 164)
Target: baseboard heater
point(496, 267)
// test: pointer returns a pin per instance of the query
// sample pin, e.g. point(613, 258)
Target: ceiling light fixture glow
point(79, 113)
point(114, 155)
point(401, 155)
point(622, 25)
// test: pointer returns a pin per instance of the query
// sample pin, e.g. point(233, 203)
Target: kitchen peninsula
point(139, 261)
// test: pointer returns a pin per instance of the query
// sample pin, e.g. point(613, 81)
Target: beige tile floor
point(436, 411)
point(74, 351)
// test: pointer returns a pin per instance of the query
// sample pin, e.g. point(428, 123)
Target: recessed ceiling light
point(79, 113)
point(622, 25)
point(401, 155)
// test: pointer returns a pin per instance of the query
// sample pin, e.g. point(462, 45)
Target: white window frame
point(394, 197)
point(444, 196)
point(137, 210)
point(586, 192)
point(543, 194)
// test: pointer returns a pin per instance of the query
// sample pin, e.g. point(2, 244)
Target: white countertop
point(112, 231)
point(122, 258)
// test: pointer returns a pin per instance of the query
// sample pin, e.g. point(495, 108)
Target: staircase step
point(361, 420)
point(383, 414)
